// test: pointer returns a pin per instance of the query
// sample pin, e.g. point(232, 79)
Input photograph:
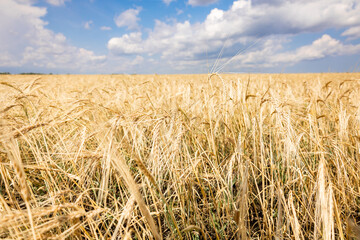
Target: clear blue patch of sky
point(328, 64)
point(70, 19)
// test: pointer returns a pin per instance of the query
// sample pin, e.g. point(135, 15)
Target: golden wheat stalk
point(13, 153)
point(120, 165)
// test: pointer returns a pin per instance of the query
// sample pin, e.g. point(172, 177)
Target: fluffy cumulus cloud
point(320, 48)
point(127, 44)
point(270, 53)
point(201, 2)
point(129, 18)
point(242, 24)
point(26, 42)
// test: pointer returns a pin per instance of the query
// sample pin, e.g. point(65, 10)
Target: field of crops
point(180, 156)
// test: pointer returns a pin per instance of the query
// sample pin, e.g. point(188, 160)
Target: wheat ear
point(15, 157)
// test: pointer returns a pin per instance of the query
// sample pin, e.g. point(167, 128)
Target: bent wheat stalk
point(119, 164)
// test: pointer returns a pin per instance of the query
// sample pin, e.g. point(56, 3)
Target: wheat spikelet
point(120, 165)
point(147, 173)
point(294, 219)
point(324, 205)
point(15, 157)
point(243, 199)
point(125, 215)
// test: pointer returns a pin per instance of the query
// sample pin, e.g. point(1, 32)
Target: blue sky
point(179, 36)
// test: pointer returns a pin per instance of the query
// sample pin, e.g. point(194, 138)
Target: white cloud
point(87, 25)
point(320, 48)
point(201, 2)
point(127, 44)
point(167, 2)
point(270, 54)
point(238, 27)
point(352, 33)
point(57, 2)
point(105, 28)
point(128, 18)
point(26, 42)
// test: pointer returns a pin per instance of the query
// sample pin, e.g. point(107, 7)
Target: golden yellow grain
point(225, 156)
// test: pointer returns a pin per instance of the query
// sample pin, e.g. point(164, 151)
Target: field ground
point(180, 156)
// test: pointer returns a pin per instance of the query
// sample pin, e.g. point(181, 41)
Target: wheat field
point(229, 156)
